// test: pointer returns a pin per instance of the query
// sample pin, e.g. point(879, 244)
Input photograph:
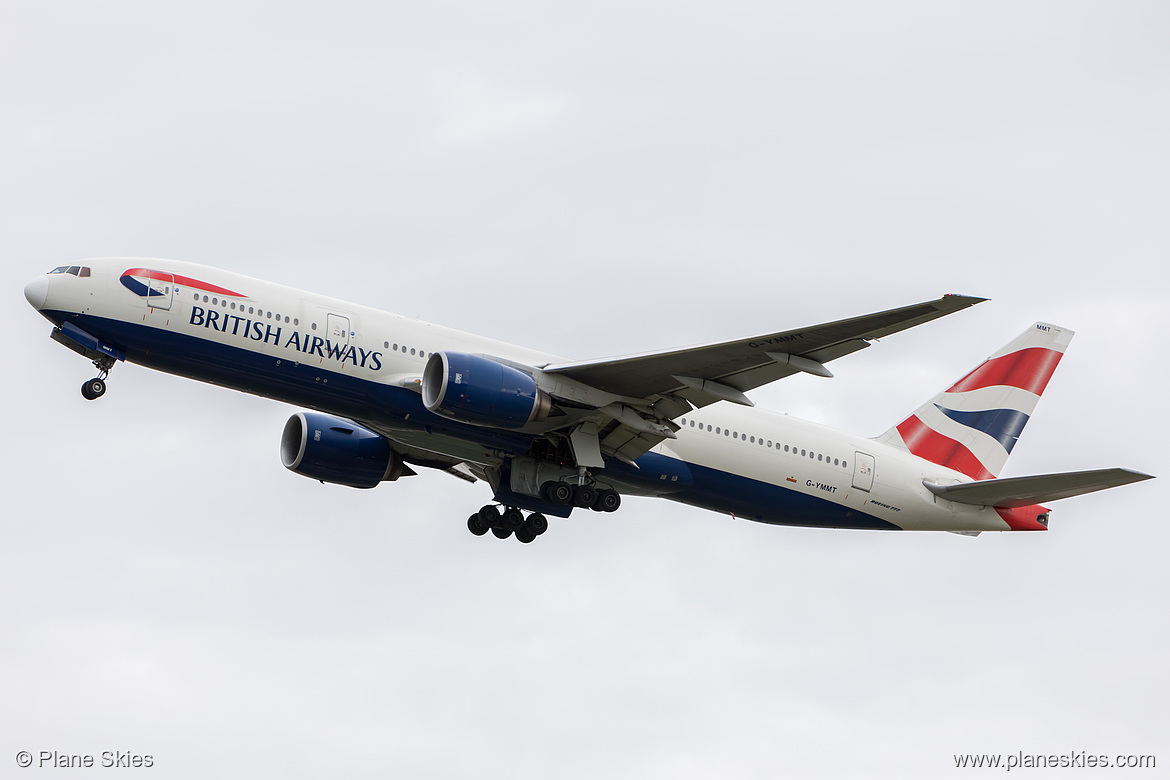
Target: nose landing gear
point(95, 388)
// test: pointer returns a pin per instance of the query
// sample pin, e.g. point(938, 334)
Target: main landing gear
point(95, 388)
point(511, 521)
point(504, 524)
point(583, 496)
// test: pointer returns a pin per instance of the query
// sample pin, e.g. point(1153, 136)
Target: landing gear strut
point(95, 388)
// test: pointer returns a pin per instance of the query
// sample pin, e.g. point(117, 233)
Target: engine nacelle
point(335, 450)
point(478, 390)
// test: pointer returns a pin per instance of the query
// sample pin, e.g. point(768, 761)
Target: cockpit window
point(76, 270)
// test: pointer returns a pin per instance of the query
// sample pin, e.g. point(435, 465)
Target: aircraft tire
point(584, 496)
point(525, 536)
point(537, 523)
point(93, 389)
point(607, 501)
point(500, 533)
point(559, 493)
point(513, 519)
point(476, 526)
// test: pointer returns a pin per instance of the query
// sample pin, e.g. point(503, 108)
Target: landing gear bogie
point(509, 522)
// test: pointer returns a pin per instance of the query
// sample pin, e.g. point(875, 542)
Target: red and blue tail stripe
point(1029, 369)
point(974, 425)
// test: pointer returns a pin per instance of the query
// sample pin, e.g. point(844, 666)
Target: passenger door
point(160, 290)
point(863, 468)
point(337, 330)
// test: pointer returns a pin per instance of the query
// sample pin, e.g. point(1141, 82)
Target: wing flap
point(1026, 491)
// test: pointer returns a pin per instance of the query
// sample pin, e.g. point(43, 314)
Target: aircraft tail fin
point(973, 425)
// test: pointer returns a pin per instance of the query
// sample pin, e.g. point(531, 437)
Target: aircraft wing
point(723, 371)
point(1026, 491)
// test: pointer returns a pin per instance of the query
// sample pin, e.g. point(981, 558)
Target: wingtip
point(966, 300)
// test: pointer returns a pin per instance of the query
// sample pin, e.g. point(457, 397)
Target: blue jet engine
point(332, 449)
point(481, 391)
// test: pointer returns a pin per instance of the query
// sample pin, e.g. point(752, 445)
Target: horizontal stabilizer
point(1026, 491)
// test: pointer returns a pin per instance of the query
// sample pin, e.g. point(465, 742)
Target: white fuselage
point(321, 352)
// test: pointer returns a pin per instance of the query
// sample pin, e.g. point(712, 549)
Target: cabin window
point(296, 321)
point(736, 435)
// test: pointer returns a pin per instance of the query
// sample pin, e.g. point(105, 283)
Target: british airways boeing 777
point(389, 394)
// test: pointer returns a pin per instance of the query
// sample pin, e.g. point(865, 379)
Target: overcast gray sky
point(590, 179)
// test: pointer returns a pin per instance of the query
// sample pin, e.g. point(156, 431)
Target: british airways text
point(304, 343)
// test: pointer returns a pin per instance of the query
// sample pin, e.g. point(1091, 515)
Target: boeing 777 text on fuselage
point(549, 436)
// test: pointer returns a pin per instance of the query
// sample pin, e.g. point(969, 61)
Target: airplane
point(386, 395)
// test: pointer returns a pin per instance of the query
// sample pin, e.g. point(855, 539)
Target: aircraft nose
point(36, 292)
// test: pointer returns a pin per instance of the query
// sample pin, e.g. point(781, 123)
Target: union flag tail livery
point(389, 396)
point(973, 425)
